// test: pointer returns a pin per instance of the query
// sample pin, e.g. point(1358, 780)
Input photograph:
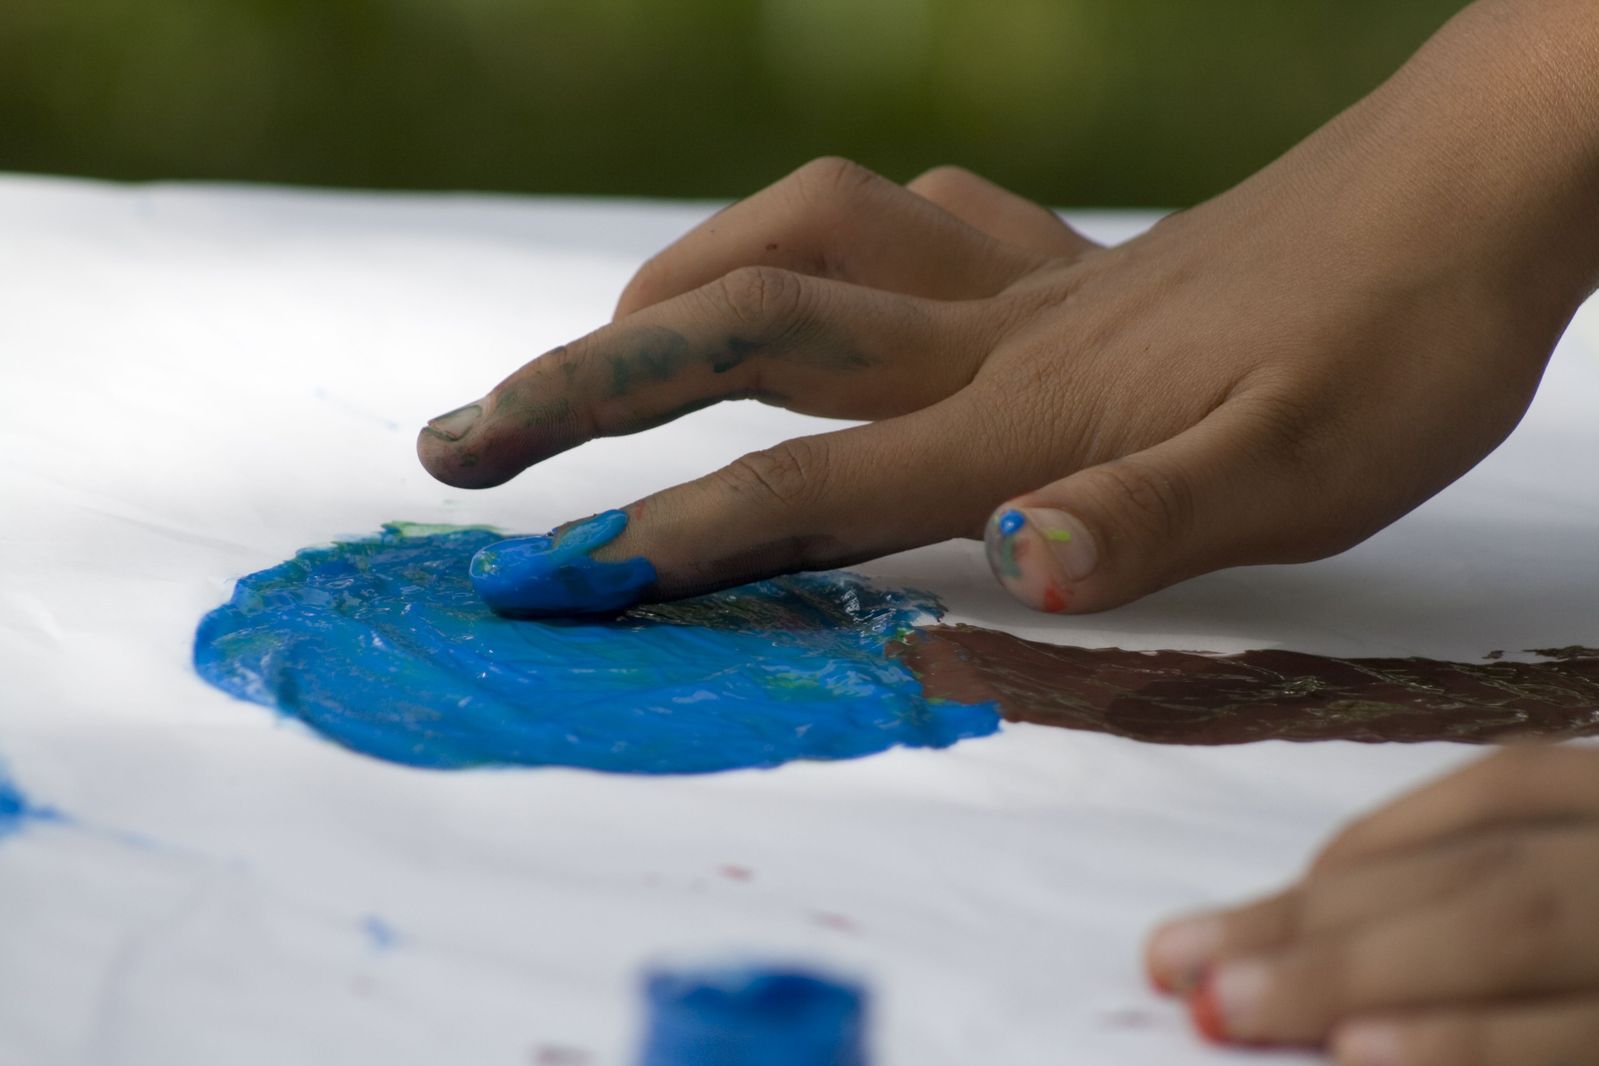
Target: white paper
point(195, 382)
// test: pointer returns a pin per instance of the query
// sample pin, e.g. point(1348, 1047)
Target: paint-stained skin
point(553, 575)
point(383, 645)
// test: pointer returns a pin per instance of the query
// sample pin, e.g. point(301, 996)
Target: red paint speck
point(737, 873)
point(829, 920)
point(1054, 602)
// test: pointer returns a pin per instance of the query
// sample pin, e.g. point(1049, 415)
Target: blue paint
point(379, 932)
point(382, 645)
point(1010, 522)
point(15, 809)
point(753, 1017)
point(553, 576)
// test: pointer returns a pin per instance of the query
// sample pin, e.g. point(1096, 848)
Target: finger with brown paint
point(833, 218)
point(808, 344)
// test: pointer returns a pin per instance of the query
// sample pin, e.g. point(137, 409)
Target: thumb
point(1111, 533)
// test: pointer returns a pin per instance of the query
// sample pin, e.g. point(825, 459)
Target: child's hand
point(1272, 376)
point(1459, 925)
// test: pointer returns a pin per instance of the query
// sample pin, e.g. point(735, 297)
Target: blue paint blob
point(1010, 522)
point(753, 1017)
point(383, 646)
point(553, 575)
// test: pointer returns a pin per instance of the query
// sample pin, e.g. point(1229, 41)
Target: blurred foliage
point(1082, 102)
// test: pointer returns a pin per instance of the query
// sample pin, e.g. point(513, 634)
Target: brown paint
point(1176, 697)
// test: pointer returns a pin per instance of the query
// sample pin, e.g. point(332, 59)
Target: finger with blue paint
point(1271, 376)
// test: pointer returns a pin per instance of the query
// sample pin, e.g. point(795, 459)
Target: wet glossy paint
point(384, 646)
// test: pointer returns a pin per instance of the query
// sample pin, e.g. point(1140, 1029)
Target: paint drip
point(383, 645)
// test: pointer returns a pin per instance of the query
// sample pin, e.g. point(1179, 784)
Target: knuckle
point(1530, 924)
point(759, 297)
point(1155, 504)
point(1512, 780)
point(790, 474)
point(1326, 982)
point(831, 177)
point(943, 181)
point(1285, 918)
point(1288, 429)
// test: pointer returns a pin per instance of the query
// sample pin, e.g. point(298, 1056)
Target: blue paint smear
point(553, 576)
point(753, 1017)
point(379, 932)
point(15, 809)
point(383, 646)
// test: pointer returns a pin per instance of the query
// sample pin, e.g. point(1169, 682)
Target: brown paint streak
point(1175, 697)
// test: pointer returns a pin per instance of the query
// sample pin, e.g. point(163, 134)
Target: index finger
point(808, 344)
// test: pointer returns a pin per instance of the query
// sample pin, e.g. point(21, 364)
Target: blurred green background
point(1076, 102)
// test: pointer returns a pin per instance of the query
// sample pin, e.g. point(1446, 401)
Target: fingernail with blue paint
point(555, 575)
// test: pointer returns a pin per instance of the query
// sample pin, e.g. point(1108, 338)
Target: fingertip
point(450, 461)
point(1179, 951)
point(555, 575)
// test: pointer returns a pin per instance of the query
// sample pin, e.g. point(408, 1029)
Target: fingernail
point(1228, 1004)
point(1067, 539)
point(1367, 1044)
point(1180, 950)
point(1038, 553)
point(457, 423)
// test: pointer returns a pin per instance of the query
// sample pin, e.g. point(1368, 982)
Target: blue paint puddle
point(382, 645)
